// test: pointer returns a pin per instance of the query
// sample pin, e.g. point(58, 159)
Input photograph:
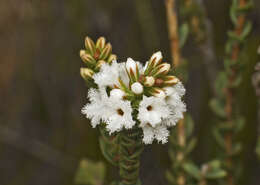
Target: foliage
point(90, 173)
point(230, 121)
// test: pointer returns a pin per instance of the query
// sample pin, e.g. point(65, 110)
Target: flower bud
point(170, 80)
point(106, 51)
point(100, 63)
point(117, 93)
point(86, 58)
point(159, 82)
point(157, 92)
point(132, 69)
point(111, 58)
point(149, 81)
point(86, 73)
point(156, 59)
point(162, 69)
point(137, 88)
point(101, 42)
point(90, 46)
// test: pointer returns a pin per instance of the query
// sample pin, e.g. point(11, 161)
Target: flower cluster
point(130, 94)
point(94, 56)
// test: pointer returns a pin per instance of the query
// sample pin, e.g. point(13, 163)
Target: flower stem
point(173, 31)
point(130, 150)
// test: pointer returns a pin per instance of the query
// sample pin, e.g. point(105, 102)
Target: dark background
point(43, 135)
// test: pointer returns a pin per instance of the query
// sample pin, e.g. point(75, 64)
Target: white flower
point(117, 93)
point(123, 74)
point(176, 105)
point(115, 112)
point(152, 110)
point(118, 115)
point(179, 88)
point(96, 108)
point(137, 88)
point(108, 75)
point(176, 114)
point(160, 133)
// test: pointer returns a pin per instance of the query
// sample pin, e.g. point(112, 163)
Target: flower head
point(128, 93)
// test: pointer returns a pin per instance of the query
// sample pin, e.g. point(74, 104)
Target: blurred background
point(43, 135)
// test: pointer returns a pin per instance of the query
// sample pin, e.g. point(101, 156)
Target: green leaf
point(233, 12)
point(247, 29)
point(246, 7)
point(90, 173)
point(190, 146)
point(220, 140)
point(234, 36)
point(236, 149)
point(189, 125)
point(218, 107)
point(221, 82)
point(192, 170)
point(239, 124)
point(109, 145)
point(170, 177)
point(215, 174)
point(214, 164)
point(183, 34)
point(229, 46)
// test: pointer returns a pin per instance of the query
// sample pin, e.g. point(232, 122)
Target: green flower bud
point(157, 92)
point(86, 58)
point(90, 46)
point(106, 52)
point(170, 80)
point(111, 58)
point(149, 81)
point(161, 69)
point(86, 73)
point(100, 63)
point(101, 42)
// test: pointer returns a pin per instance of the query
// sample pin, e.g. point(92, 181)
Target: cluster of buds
point(94, 56)
point(154, 78)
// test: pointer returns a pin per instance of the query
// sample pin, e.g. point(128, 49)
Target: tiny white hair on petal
point(176, 114)
point(161, 134)
point(116, 122)
point(179, 88)
point(108, 75)
point(148, 135)
point(96, 108)
point(152, 110)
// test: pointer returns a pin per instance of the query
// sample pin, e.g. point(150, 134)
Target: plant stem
point(176, 61)
point(131, 148)
point(230, 93)
point(173, 31)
